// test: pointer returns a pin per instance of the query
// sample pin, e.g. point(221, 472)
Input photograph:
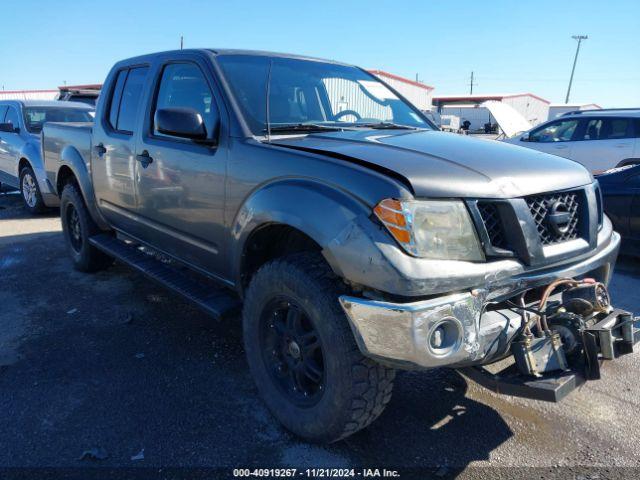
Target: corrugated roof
point(479, 98)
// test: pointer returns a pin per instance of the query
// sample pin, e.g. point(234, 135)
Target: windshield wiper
point(384, 126)
point(303, 127)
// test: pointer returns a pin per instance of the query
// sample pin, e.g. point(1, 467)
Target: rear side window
point(126, 99)
point(608, 129)
point(183, 85)
point(3, 111)
point(637, 128)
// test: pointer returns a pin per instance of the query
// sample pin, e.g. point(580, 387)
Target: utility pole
point(181, 42)
point(579, 38)
point(471, 84)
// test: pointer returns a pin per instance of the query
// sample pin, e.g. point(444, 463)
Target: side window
point(592, 130)
point(561, 131)
point(3, 111)
point(637, 128)
point(130, 101)
point(614, 128)
point(183, 85)
point(115, 99)
point(12, 117)
point(608, 129)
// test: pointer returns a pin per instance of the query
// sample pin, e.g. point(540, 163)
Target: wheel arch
point(73, 168)
point(286, 217)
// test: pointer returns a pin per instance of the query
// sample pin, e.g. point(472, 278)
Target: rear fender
point(71, 158)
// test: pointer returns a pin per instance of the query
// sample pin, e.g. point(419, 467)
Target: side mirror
point(180, 122)
point(9, 128)
point(526, 137)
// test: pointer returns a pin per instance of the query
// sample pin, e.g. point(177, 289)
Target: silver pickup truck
point(356, 238)
point(21, 164)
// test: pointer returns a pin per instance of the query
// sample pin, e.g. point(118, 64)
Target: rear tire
point(337, 391)
point(78, 226)
point(30, 191)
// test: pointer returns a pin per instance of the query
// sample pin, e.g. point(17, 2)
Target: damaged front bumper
point(456, 330)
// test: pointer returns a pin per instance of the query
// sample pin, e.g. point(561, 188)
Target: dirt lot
point(112, 361)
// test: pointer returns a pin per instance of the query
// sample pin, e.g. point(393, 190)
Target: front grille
point(493, 225)
point(543, 208)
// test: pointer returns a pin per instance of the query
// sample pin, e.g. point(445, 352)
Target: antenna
point(471, 84)
point(181, 42)
point(267, 102)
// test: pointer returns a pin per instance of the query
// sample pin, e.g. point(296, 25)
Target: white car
point(598, 139)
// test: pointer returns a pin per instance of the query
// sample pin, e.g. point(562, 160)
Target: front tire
point(78, 226)
point(30, 191)
point(302, 353)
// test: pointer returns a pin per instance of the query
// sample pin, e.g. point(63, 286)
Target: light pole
point(579, 38)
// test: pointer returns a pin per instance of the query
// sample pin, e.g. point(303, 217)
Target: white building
point(28, 94)
point(557, 109)
point(533, 108)
point(418, 93)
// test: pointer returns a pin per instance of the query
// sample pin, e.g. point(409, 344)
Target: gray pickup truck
point(355, 237)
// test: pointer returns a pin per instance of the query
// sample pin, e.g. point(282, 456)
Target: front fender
point(72, 159)
point(320, 211)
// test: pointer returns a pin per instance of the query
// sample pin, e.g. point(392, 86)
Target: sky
point(511, 46)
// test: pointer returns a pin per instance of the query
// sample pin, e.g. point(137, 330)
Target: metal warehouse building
point(557, 109)
point(28, 94)
point(533, 108)
point(418, 93)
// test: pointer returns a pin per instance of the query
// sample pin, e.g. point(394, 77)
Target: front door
point(181, 184)
point(555, 137)
point(113, 156)
point(10, 145)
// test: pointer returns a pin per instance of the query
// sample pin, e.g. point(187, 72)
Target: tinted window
point(12, 117)
point(184, 85)
point(613, 128)
point(561, 131)
point(607, 129)
point(35, 117)
point(3, 111)
point(130, 102)
point(637, 129)
point(115, 98)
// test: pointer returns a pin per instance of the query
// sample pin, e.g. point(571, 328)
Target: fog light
point(445, 337)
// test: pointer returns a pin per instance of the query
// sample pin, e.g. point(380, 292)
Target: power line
point(579, 38)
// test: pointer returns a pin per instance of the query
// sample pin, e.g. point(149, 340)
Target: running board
point(218, 301)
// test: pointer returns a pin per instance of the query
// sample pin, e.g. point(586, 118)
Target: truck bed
point(56, 137)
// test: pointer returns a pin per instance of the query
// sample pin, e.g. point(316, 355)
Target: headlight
point(438, 229)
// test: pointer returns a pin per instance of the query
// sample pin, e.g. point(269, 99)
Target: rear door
point(114, 146)
point(554, 137)
point(603, 142)
point(181, 186)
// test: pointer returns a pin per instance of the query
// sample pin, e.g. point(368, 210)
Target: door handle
point(100, 149)
point(560, 147)
point(622, 145)
point(144, 158)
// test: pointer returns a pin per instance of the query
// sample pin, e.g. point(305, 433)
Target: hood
point(508, 118)
point(438, 164)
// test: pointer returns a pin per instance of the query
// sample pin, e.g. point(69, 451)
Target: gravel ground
point(111, 361)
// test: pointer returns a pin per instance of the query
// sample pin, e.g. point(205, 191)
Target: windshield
point(35, 117)
point(313, 94)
